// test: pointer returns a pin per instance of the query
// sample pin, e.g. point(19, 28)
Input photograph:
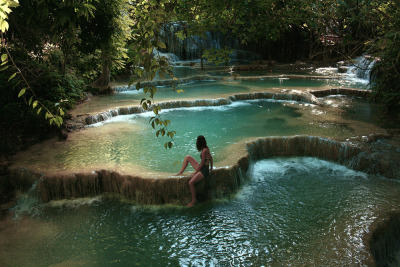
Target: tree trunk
point(103, 82)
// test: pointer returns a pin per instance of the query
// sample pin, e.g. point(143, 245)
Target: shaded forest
point(54, 53)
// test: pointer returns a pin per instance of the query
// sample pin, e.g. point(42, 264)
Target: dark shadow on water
point(366, 111)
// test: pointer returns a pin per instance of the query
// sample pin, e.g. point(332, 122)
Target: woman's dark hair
point(201, 143)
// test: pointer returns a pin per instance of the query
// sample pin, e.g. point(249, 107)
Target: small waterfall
point(106, 115)
point(171, 57)
point(289, 96)
point(362, 67)
point(224, 181)
point(28, 202)
point(188, 48)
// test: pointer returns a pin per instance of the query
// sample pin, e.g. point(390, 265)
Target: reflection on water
point(297, 211)
point(365, 111)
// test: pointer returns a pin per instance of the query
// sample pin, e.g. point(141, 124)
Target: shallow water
point(129, 140)
point(305, 83)
point(129, 96)
point(296, 211)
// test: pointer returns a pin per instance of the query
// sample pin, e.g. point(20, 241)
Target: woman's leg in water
point(188, 159)
point(198, 177)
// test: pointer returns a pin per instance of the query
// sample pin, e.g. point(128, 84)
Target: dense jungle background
point(55, 54)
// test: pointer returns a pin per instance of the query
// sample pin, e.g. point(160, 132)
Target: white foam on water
point(230, 106)
point(276, 168)
point(27, 203)
point(326, 70)
point(130, 118)
point(354, 79)
point(121, 118)
point(131, 92)
point(74, 203)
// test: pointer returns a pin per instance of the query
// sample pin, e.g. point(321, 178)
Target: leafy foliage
point(5, 9)
point(52, 49)
point(22, 116)
point(386, 73)
point(149, 16)
point(217, 56)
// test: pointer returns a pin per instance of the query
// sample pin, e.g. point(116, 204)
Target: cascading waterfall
point(103, 116)
point(188, 48)
point(291, 96)
point(28, 202)
point(362, 68)
point(224, 181)
point(171, 57)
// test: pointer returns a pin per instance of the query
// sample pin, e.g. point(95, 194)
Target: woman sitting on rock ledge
point(202, 170)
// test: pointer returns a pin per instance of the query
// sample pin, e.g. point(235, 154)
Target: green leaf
point(155, 110)
point(161, 44)
point(59, 121)
point(40, 109)
point(30, 100)
point(22, 92)
point(3, 25)
point(34, 104)
point(3, 57)
point(48, 115)
point(6, 67)
point(12, 76)
point(168, 145)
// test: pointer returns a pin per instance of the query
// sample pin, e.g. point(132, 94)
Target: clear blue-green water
point(222, 126)
point(296, 212)
point(198, 90)
point(308, 83)
point(206, 89)
point(128, 95)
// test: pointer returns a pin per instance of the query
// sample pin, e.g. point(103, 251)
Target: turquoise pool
point(136, 143)
point(296, 211)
